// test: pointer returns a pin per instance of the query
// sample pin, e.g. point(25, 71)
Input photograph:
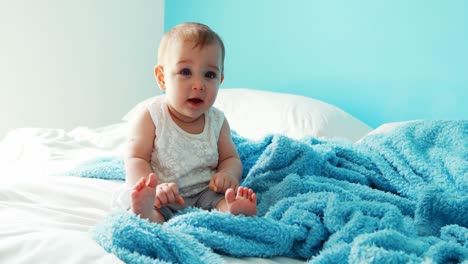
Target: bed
point(58, 186)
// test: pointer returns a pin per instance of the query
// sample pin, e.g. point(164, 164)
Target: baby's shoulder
point(157, 100)
point(217, 117)
point(216, 111)
point(156, 105)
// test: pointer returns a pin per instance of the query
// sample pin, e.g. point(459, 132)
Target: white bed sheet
point(45, 214)
point(46, 219)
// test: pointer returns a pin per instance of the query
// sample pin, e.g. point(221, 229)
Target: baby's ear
point(159, 75)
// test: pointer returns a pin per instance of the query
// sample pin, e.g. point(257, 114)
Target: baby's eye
point(185, 72)
point(210, 75)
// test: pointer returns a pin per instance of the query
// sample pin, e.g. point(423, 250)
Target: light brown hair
point(200, 34)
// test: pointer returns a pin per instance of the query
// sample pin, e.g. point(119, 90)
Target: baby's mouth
point(195, 100)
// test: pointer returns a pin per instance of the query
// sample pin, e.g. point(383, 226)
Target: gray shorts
point(206, 199)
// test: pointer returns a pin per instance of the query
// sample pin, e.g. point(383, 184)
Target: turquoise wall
point(382, 61)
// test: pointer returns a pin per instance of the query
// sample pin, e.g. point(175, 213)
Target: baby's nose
point(198, 84)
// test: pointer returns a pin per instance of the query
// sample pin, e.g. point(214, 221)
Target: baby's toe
point(253, 198)
point(230, 195)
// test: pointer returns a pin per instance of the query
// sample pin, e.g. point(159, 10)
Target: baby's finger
point(162, 197)
point(226, 184)
point(180, 200)
point(217, 184)
point(171, 197)
point(174, 190)
point(220, 184)
point(232, 184)
point(212, 185)
point(157, 203)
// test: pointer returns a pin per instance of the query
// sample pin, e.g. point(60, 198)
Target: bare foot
point(143, 196)
point(245, 202)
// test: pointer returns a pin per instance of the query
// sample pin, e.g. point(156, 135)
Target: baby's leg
point(245, 202)
point(143, 196)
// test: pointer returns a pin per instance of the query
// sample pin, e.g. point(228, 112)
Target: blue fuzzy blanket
point(390, 198)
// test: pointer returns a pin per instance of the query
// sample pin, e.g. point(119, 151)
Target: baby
point(180, 152)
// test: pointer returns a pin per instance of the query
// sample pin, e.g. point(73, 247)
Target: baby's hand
point(167, 193)
point(221, 182)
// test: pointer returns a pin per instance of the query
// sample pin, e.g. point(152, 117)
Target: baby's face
point(192, 77)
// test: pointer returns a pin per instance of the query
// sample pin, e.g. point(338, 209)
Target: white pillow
point(255, 113)
point(386, 128)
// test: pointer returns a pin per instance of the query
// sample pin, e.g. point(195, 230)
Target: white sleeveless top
point(190, 160)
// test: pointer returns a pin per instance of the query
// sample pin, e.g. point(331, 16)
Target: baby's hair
point(198, 33)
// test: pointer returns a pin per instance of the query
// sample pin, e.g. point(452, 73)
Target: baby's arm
point(229, 171)
point(139, 148)
point(138, 157)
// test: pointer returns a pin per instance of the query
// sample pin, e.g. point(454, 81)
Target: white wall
point(75, 63)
